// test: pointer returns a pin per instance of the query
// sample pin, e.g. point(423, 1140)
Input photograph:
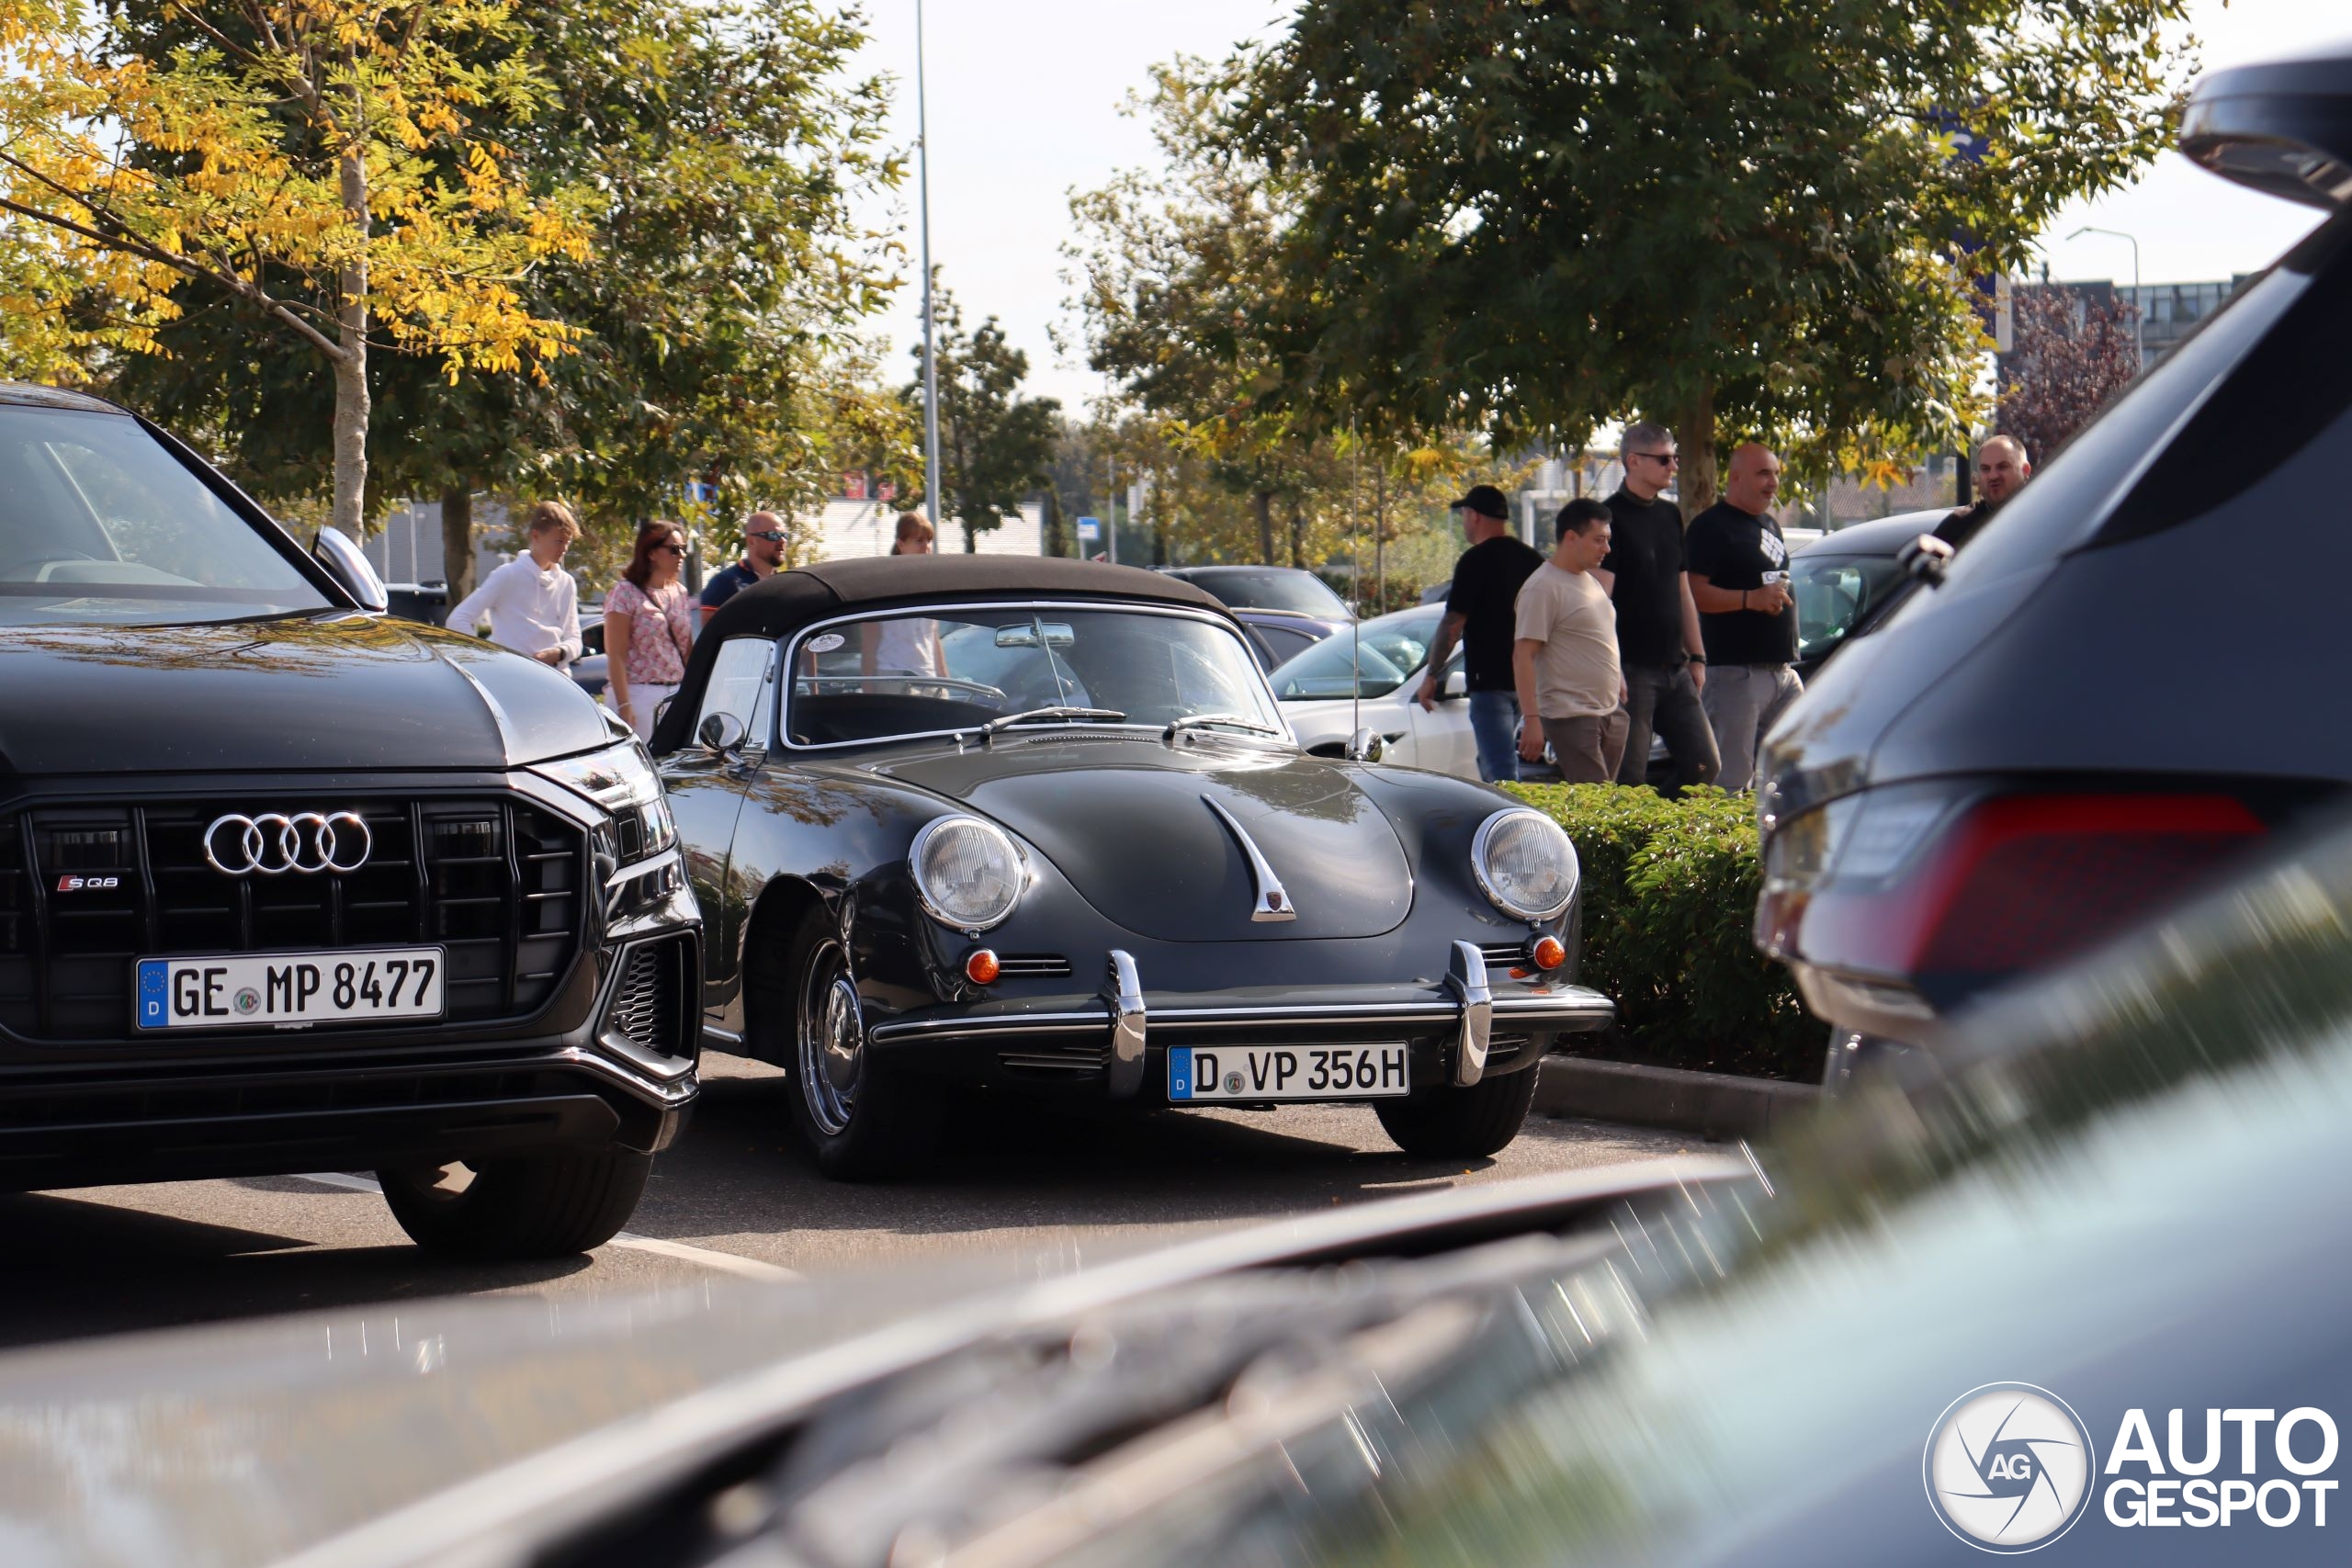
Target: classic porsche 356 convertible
point(1037, 825)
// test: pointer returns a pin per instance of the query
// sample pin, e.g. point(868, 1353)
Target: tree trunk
point(1694, 435)
point(457, 543)
point(351, 406)
point(1297, 533)
point(1262, 502)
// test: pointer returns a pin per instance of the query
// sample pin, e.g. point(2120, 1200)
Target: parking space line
point(725, 1262)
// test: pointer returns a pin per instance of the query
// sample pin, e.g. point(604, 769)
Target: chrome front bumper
point(1467, 1003)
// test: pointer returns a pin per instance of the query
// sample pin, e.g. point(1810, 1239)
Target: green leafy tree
point(722, 149)
point(995, 445)
point(1747, 220)
point(322, 163)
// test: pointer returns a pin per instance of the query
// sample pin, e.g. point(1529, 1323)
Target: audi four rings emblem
point(273, 843)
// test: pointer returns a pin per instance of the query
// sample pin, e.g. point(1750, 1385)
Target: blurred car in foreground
point(1285, 609)
point(2036, 751)
point(1940, 1318)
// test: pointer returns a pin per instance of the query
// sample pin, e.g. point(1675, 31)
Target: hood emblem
point(1273, 904)
point(273, 843)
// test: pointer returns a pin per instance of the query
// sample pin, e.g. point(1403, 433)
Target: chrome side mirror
point(722, 732)
point(1365, 745)
point(346, 563)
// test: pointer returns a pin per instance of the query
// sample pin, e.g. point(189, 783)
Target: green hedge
point(1669, 896)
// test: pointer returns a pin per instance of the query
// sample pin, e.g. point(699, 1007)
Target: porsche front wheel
point(858, 1120)
point(1459, 1124)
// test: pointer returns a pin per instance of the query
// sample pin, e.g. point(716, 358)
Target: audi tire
point(545, 1205)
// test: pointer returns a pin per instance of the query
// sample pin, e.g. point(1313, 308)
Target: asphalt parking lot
point(735, 1199)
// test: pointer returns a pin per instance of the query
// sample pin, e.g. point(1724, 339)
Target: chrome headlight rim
point(1495, 895)
point(931, 906)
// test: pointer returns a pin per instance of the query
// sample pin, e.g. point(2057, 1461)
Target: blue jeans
point(1494, 721)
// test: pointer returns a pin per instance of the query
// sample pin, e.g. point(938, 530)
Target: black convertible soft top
point(790, 599)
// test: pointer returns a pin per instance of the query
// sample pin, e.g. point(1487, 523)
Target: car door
point(1441, 738)
point(706, 779)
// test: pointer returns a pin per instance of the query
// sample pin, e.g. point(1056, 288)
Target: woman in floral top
point(649, 626)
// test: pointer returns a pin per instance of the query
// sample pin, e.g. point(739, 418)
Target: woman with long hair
point(905, 646)
point(649, 626)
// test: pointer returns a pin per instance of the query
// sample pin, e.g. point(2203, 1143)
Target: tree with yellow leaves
point(315, 159)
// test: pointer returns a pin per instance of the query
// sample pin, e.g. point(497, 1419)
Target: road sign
point(1089, 530)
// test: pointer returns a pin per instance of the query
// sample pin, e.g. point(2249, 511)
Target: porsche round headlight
point(1524, 864)
point(968, 873)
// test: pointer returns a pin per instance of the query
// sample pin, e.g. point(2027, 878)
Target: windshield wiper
point(1201, 720)
point(1091, 715)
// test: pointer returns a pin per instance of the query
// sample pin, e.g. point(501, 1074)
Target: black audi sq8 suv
point(286, 885)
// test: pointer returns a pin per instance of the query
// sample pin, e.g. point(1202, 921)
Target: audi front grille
point(88, 890)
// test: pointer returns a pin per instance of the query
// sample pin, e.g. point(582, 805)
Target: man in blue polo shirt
point(763, 553)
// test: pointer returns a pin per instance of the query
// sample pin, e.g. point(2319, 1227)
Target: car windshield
point(1833, 594)
point(1273, 589)
point(892, 676)
point(1394, 649)
point(98, 523)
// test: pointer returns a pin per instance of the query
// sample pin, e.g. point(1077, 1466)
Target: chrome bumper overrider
point(1467, 1001)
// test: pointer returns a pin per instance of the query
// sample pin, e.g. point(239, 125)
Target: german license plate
point(259, 990)
point(1288, 1072)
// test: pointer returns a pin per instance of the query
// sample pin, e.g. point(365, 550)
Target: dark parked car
point(289, 885)
point(1847, 582)
point(2121, 686)
point(1286, 611)
point(2127, 1203)
point(1038, 825)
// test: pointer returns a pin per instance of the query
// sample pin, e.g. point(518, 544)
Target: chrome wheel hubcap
point(832, 1043)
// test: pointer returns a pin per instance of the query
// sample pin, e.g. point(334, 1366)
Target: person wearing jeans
point(1480, 612)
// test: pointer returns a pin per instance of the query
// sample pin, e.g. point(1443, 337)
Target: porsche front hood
point(1137, 826)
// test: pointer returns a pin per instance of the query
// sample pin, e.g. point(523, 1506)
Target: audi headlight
point(621, 780)
point(1524, 864)
point(969, 874)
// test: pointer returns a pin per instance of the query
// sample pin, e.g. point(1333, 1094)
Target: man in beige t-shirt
point(1565, 658)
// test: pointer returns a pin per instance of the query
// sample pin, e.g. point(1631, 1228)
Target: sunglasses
point(1668, 458)
point(672, 549)
point(773, 535)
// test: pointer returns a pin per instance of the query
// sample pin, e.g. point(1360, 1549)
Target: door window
point(742, 684)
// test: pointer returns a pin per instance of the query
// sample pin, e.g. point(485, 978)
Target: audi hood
point(342, 691)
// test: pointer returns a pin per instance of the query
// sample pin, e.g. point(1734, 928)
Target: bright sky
point(1024, 97)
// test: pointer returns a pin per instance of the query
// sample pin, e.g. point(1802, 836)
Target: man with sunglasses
point(1659, 643)
point(763, 553)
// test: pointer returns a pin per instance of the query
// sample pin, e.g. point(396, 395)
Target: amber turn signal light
point(1548, 952)
point(981, 967)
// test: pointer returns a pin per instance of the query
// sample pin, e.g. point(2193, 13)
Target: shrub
point(1670, 894)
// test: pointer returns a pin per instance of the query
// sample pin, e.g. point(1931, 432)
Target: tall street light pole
point(929, 351)
point(2139, 308)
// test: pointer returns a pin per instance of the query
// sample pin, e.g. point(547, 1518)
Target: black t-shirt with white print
point(1733, 550)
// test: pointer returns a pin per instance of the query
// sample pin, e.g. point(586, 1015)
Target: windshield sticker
point(825, 644)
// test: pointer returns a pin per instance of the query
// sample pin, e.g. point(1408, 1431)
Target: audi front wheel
point(544, 1205)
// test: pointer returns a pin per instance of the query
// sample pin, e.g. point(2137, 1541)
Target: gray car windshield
point(98, 523)
point(891, 676)
point(1274, 589)
point(1393, 650)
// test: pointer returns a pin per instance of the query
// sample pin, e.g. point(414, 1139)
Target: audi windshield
point(99, 523)
point(968, 667)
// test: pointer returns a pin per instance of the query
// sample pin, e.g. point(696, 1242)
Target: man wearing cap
point(1481, 615)
point(763, 553)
